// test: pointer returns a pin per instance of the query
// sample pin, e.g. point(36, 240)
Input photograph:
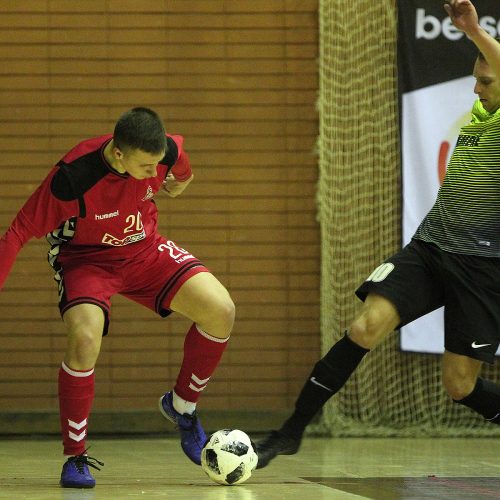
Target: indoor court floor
point(323, 469)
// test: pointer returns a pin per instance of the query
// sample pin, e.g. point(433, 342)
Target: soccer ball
point(229, 457)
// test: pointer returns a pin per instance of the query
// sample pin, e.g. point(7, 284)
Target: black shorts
point(421, 278)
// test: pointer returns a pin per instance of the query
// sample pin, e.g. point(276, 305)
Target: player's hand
point(463, 15)
point(173, 187)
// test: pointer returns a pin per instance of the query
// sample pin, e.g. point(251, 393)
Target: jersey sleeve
point(42, 213)
point(10, 244)
point(182, 168)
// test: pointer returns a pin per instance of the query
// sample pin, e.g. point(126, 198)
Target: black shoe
point(274, 444)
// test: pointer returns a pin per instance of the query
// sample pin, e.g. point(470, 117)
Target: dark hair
point(480, 55)
point(140, 128)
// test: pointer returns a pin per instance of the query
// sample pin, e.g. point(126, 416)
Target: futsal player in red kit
point(96, 209)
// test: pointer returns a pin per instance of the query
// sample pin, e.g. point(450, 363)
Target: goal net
point(359, 209)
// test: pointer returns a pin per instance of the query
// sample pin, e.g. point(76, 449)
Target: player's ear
point(118, 154)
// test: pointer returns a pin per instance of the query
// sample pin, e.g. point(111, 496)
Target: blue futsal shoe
point(75, 472)
point(193, 437)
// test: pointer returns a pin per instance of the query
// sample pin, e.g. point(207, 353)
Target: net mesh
point(392, 393)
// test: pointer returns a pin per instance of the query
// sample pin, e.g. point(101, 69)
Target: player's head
point(139, 142)
point(487, 84)
point(140, 128)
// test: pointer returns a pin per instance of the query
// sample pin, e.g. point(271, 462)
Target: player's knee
point(361, 334)
point(83, 347)
point(227, 313)
point(457, 386)
point(367, 331)
point(377, 319)
point(219, 317)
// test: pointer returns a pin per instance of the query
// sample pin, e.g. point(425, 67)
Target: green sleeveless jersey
point(465, 218)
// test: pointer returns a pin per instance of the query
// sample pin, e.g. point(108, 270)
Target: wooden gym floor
point(323, 469)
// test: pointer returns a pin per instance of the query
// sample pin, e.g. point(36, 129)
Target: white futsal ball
point(229, 457)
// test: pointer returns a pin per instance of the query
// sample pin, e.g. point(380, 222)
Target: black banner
point(430, 49)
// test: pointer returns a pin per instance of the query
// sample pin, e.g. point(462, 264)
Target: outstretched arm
point(464, 17)
point(41, 213)
point(10, 244)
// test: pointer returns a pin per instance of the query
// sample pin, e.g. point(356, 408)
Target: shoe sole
point(288, 452)
point(86, 486)
point(164, 413)
point(285, 452)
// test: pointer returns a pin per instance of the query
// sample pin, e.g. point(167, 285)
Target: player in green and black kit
point(453, 261)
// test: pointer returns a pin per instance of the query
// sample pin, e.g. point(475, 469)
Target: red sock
point(202, 354)
point(76, 393)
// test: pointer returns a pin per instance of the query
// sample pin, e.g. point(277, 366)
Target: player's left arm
point(180, 174)
point(464, 16)
point(174, 187)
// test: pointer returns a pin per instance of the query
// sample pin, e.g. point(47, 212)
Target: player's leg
point(377, 318)
point(459, 374)
point(84, 324)
point(472, 326)
point(388, 302)
point(204, 300)
point(462, 382)
point(84, 291)
point(168, 279)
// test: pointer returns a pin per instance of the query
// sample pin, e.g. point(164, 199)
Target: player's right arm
point(42, 213)
point(464, 17)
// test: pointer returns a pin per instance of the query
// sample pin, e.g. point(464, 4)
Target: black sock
point(328, 376)
point(485, 399)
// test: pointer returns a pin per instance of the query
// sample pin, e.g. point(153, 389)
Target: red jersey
point(84, 206)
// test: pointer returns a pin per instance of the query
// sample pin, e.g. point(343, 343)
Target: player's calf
point(485, 400)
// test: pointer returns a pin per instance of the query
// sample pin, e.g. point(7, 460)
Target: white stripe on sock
point(74, 373)
point(210, 337)
point(198, 381)
point(197, 389)
point(77, 425)
point(77, 437)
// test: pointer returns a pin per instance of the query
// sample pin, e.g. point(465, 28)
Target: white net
point(392, 393)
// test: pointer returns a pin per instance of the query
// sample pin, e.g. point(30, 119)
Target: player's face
point(138, 163)
point(487, 86)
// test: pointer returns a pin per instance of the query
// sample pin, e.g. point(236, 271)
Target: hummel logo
point(477, 346)
point(107, 216)
point(315, 382)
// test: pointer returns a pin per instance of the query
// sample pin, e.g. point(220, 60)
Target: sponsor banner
point(431, 49)
point(436, 91)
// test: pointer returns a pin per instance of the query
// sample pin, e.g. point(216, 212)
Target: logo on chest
point(149, 194)
point(116, 213)
point(468, 140)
